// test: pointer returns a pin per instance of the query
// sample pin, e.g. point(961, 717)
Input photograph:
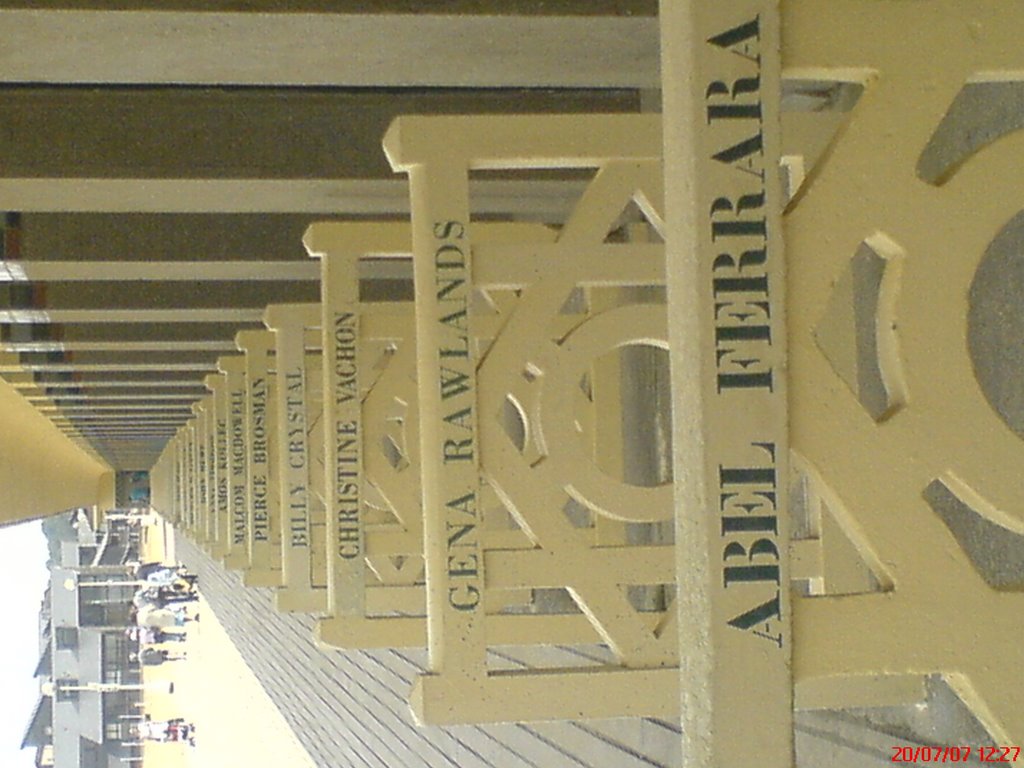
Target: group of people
point(160, 610)
point(162, 599)
point(175, 730)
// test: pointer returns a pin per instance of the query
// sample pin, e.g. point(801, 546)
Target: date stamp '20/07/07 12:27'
point(919, 754)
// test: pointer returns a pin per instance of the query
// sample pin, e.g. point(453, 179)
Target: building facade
point(91, 692)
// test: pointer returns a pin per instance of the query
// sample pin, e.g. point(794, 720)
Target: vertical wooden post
point(180, 443)
point(438, 153)
point(288, 323)
point(208, 530)
point(449, 445)
point(340, 246)
point(197, 520)
point(219, 523)
point(237, 555)
point(721, 86)
point(346, 579)
point(263, 517)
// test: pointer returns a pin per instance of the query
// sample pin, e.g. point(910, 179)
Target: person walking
point(151, 636)
point(154, 657)
point(163, 618)
point(163, 731)
point(158, 574)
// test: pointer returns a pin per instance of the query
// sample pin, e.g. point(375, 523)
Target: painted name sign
point(748, 504)
point(222, 468)
point(295, 419)
point(721, 121)
point(260, 458)
point(741, 285)
point(201, 474)
point(236, 402)
point(745, 322)
point(458, 422)
point(346, 436)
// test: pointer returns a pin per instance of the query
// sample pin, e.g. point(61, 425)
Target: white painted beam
point(57, 367)
point(68, 316)
point(109, 383)
point(20, 270)
point(547, 200)
point(146, 397)
point(116, 345)
point(74, 408)
point(318, 49)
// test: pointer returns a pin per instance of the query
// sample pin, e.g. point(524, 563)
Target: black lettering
point(453, 382)
point(750, 524)
point(466, 598)
point(468, 566)
point(740, 150)
point(739, 34)
point(449, 229)
point(734, 111)
point(739, 227)
point(457, 450)
point(461, 418)
point(753, 617)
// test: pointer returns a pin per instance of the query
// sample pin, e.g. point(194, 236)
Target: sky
point(23, 556)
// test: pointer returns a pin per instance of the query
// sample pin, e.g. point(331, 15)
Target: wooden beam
point(721, 91)
point(327, 49)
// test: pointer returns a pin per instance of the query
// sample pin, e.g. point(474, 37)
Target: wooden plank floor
point(349, 708)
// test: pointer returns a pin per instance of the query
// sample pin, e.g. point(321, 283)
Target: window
point(66, 637)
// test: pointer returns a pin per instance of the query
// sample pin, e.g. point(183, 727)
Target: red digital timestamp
point(915, 754)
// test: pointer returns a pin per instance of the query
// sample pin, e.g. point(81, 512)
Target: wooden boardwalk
point(237, 722)
point(214, 688)
point(350, 708)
